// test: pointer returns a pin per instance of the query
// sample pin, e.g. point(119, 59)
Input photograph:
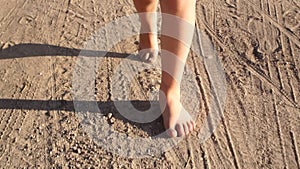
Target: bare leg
point(177, 121)
point(148, 41)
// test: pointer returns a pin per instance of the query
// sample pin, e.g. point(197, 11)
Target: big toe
point(180, 130)
point(171, 132)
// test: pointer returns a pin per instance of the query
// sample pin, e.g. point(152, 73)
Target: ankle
point(170, 90)
point(148, 40)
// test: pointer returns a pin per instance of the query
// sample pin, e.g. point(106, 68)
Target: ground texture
point(257, 41)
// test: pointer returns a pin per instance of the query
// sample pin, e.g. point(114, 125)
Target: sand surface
point(257, 42)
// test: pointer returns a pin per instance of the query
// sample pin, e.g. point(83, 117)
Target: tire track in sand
point(296, 151)
point(274, 100)
point(249, 65)
point(290, 35)
point(203, 153)
point(26, 125)
point(286, 140)
point(10, 118)
point(215, 153)
point(8, 19)
point(254, 67)
point(292, 81)
point(211, 18)
point(288, 57)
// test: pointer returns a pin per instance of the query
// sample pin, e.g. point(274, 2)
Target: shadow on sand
point(32, 50)
point(151, 128)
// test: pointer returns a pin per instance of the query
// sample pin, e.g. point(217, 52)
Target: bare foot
point(177, 121)
point(148, 47)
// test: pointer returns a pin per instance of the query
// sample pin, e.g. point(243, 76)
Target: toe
point(180, 130)
point(190, 126)
point(186, 129)
point(193, 124)
point(171, 132)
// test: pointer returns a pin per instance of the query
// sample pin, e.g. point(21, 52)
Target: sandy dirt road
point(257, 41)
